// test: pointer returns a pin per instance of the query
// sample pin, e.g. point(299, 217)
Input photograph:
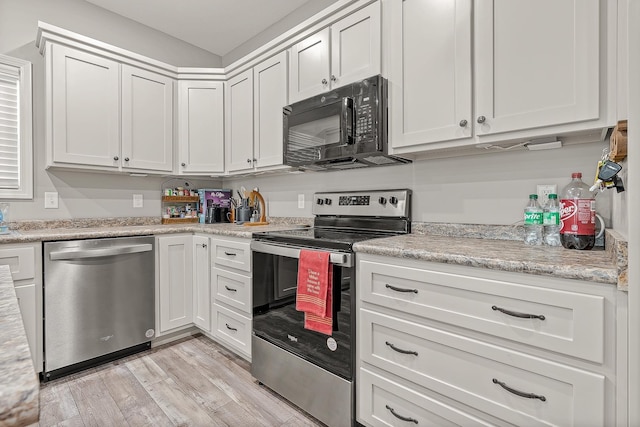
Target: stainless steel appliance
point(299, 364)
point(98, 301)
point(342, 129)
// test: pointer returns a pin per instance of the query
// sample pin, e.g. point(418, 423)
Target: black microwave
point(342, 129)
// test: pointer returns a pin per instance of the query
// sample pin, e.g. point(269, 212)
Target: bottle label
point(551, 218)
point(532, 218)
point(578, 216)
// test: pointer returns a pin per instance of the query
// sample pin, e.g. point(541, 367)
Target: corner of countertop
point(618, 249)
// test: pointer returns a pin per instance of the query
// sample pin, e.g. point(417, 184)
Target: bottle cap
point(576, 175)
point(553, 196)
point(533, 196)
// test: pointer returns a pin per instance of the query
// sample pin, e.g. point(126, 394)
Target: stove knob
point(320, 201)
point(327, 201)
point(382, 201)
point(393, 200)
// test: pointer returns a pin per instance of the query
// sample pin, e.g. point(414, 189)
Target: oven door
point(319, 132)
point(276, 320)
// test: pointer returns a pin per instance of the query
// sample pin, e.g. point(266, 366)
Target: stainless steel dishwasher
point(98, 301)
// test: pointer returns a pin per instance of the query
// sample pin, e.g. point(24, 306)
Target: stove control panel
point(376, 203)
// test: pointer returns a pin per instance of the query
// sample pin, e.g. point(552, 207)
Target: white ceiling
point(218, 26)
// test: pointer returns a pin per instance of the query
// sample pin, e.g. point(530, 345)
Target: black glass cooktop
point(323, 238)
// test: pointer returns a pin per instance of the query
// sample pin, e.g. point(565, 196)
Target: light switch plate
point(543, 192)
point(138, 201)
point(50, 200)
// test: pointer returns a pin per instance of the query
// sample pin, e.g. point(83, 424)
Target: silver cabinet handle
point(393, 288)
point(482, 119)
point(230, 328)
point(399, 350)
point(230, 289)
point(400, 417)
point(517, 314)
point(463, 123)
point(95, 253)
point(518, 392)
point(116, 158)
point(324, 81)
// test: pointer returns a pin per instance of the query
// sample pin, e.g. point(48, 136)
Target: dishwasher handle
point(101, 252)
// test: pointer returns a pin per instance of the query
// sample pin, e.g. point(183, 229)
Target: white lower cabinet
point(25, 263)
point(231, 278)
point(174, 278)
point(201, 283)
point(453, 345)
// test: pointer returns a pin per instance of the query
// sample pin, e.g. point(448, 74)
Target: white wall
point(485, 189)
point(82, 194)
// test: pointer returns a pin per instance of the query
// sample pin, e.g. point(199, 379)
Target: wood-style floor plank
point(192, 382)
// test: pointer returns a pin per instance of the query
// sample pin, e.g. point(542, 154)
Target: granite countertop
point(505, 255)
point(19, 385)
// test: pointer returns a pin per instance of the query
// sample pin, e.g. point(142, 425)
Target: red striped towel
point(315, 285)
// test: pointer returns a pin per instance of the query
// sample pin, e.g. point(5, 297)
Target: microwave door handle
point(346, 121)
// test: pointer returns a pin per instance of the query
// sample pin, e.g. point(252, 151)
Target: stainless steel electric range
point(310, 369)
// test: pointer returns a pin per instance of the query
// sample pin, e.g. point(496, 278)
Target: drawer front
point(382, 402)
point(571, 323)
point(233, 329)
point(21, 261)
point(484, 376)
point(229, 253)
point(233, 289)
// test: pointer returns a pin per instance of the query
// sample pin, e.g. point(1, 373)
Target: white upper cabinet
point(239, 122)
point(147, 120)
point(347, 51)
point(429, 71)
point(200, 127)
point(83, 117)
point(536, 63)
point(270, 95)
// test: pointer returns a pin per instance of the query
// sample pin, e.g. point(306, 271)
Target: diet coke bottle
point(577, 215)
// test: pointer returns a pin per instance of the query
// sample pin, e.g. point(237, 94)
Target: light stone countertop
point(19, 385)
point(505, 255)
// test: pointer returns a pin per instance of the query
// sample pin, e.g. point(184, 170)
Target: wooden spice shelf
point(179, 220)
point(183, 199)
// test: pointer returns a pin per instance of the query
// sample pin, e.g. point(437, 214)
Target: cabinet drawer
point(233, 329)
point(233, 289)
point(21, 260)
point(231, 253)
point(382, 402)
point(573, 323)
point(471, 371)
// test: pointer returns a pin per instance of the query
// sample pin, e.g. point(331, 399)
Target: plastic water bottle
point(533, 222)
point(551, 221)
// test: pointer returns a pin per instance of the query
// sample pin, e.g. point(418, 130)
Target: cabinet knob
point(126, 159)
point(183, 164)
point(116, 158)
point(333, 78)
point(324, 81)
point(255, 160)
point(204, 245)
point(463, 123)
point(248, 160)
point(482, 119)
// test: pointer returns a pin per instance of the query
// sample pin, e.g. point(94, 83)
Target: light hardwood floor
point(193, 382)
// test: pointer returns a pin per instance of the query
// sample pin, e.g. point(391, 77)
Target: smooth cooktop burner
point(320, 237)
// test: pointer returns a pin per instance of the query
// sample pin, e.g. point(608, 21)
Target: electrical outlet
point(138, 201)
point(50, 200)
point(543, 192)
point(300, 201)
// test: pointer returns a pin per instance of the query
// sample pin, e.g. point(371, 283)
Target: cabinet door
point(147, 120)
point(201, 127)
point(201, 283)
point(28, 303)
point(537, 63)
point(355, 46)
point(310, 70)
point(270, 95)
point(84, 90)
point(429, 71)
point(175, 282)
point(239, 122)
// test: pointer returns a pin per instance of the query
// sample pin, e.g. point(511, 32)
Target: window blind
point(9, 127)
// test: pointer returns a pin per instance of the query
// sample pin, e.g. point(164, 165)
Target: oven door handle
point(340, 259)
